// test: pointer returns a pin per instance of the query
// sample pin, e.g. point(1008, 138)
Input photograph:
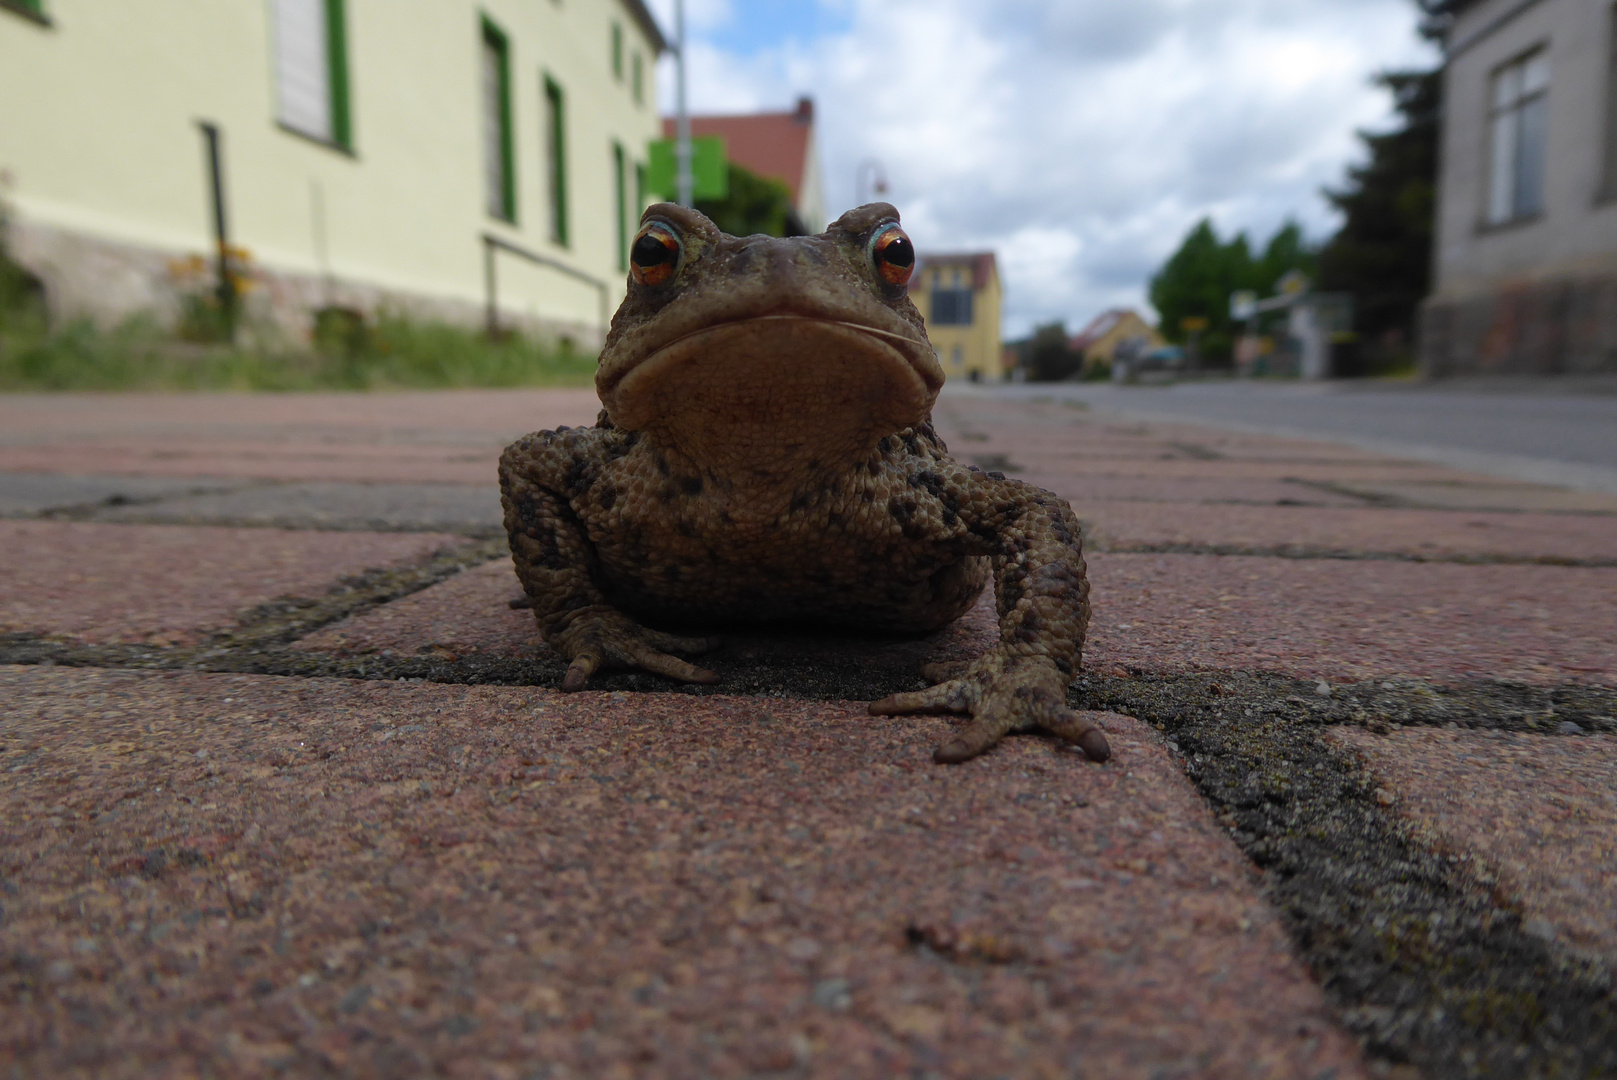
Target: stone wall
point(1565, 326)
point(109, 281)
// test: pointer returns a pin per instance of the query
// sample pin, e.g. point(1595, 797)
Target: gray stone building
point(1525, 260)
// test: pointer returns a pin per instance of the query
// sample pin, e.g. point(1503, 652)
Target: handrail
point(492, 243)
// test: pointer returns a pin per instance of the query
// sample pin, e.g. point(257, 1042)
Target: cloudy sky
point(1078, 139)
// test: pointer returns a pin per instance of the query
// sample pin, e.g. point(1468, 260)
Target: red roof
point(769, 144)
point(981, 263)
point(1098, 327)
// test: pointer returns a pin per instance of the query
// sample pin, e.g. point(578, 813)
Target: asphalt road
point(1552, 433)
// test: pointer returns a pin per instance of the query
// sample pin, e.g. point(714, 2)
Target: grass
point(392, 352)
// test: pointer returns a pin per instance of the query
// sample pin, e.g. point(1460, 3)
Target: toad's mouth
point(770, 384)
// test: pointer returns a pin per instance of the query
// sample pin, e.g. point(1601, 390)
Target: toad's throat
point(773, 394)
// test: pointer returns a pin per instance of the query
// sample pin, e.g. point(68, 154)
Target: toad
point(766, 456)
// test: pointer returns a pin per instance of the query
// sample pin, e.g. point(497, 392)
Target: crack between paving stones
point(1297, 551)
point(1422, 958)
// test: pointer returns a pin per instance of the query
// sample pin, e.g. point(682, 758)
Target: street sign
point(1243, 304)
point(1193, 324)
point(710, 173)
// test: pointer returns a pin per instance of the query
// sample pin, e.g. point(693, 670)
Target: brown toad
point(766, 456)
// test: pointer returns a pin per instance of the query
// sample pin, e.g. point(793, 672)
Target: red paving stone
point(1335, 618)
point(1081, 491)
point(170, 584)
point(241, 875)
point(1355, 618)
point(1426, 534)
point(1538, 811)
point(450, 436)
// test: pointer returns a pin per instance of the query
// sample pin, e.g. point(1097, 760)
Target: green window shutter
point(337, 45)
point(639, 79)
point(556, 153)
point(617, 52)
point(500, 163)
point(621, 201)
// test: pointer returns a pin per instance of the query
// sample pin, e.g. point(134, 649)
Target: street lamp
point(878, 180)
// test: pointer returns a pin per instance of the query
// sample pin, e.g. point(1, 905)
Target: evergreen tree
point(1382, 253)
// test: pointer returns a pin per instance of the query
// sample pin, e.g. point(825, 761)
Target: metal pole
point(682, 139)
point(221, 231)
point(491, 318)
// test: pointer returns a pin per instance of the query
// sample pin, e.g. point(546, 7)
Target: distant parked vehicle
point(1128, 365)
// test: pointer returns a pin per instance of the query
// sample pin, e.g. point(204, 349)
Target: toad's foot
point(601, 635)
point(1002, 694)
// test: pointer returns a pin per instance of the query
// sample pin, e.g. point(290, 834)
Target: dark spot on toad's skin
point(800, 502)
point(692, 485)
point(661, 463)
point(607, 497)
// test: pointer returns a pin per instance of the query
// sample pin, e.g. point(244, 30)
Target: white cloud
point(1079, 139)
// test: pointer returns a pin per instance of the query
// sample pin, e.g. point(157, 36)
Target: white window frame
point(1518, 128)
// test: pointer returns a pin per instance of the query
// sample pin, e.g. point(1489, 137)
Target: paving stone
point(416, 507)
point(164, 584)
point(28, 494)
point(1425, 534)
point(1333, 618)
point(452, 436)
point(1355, 618)
point(1483, 494)
point(1539, 812)
point(1084, 490)
point(240, 874)
point(469, 616)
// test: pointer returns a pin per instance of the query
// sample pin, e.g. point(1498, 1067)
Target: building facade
point(959, 297)
point(366, 158)
point(1525, 260)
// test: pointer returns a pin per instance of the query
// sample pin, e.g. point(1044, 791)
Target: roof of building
point(1099, 327)
point(981, 263)
point(771, 144)
point(641, 15)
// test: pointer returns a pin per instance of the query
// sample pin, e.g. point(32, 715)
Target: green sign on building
point(710, 174)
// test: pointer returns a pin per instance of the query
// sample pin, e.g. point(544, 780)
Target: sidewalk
point(289, 790)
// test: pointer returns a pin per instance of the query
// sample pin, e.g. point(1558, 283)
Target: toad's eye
point(893, 255)
point(655, 254)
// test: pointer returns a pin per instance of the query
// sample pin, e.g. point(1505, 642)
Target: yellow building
point(368, 155)
point(959, 297)
point(1097, 342)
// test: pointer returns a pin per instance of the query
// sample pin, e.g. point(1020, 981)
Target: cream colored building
point(959, 297)
point(369, 150)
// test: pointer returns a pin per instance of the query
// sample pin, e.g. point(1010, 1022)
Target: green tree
point(1049, 357)
point(1382, 253)
point(1196, 282)
point(755, 204)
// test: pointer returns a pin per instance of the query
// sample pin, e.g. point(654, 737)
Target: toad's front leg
point(1042, 594)
point(556, 564)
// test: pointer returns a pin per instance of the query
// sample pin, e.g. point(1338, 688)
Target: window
point(951, 307)
point(311, 69)
point(620, 179)
point(1519, 117)
point(555, 143)
point(499, 172)
point(617, 52)
point(637, 80)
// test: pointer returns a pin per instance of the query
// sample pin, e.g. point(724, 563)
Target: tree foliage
point(755, 204)
point(1197, 280)
point(1049, 357)
point(1382, 253)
